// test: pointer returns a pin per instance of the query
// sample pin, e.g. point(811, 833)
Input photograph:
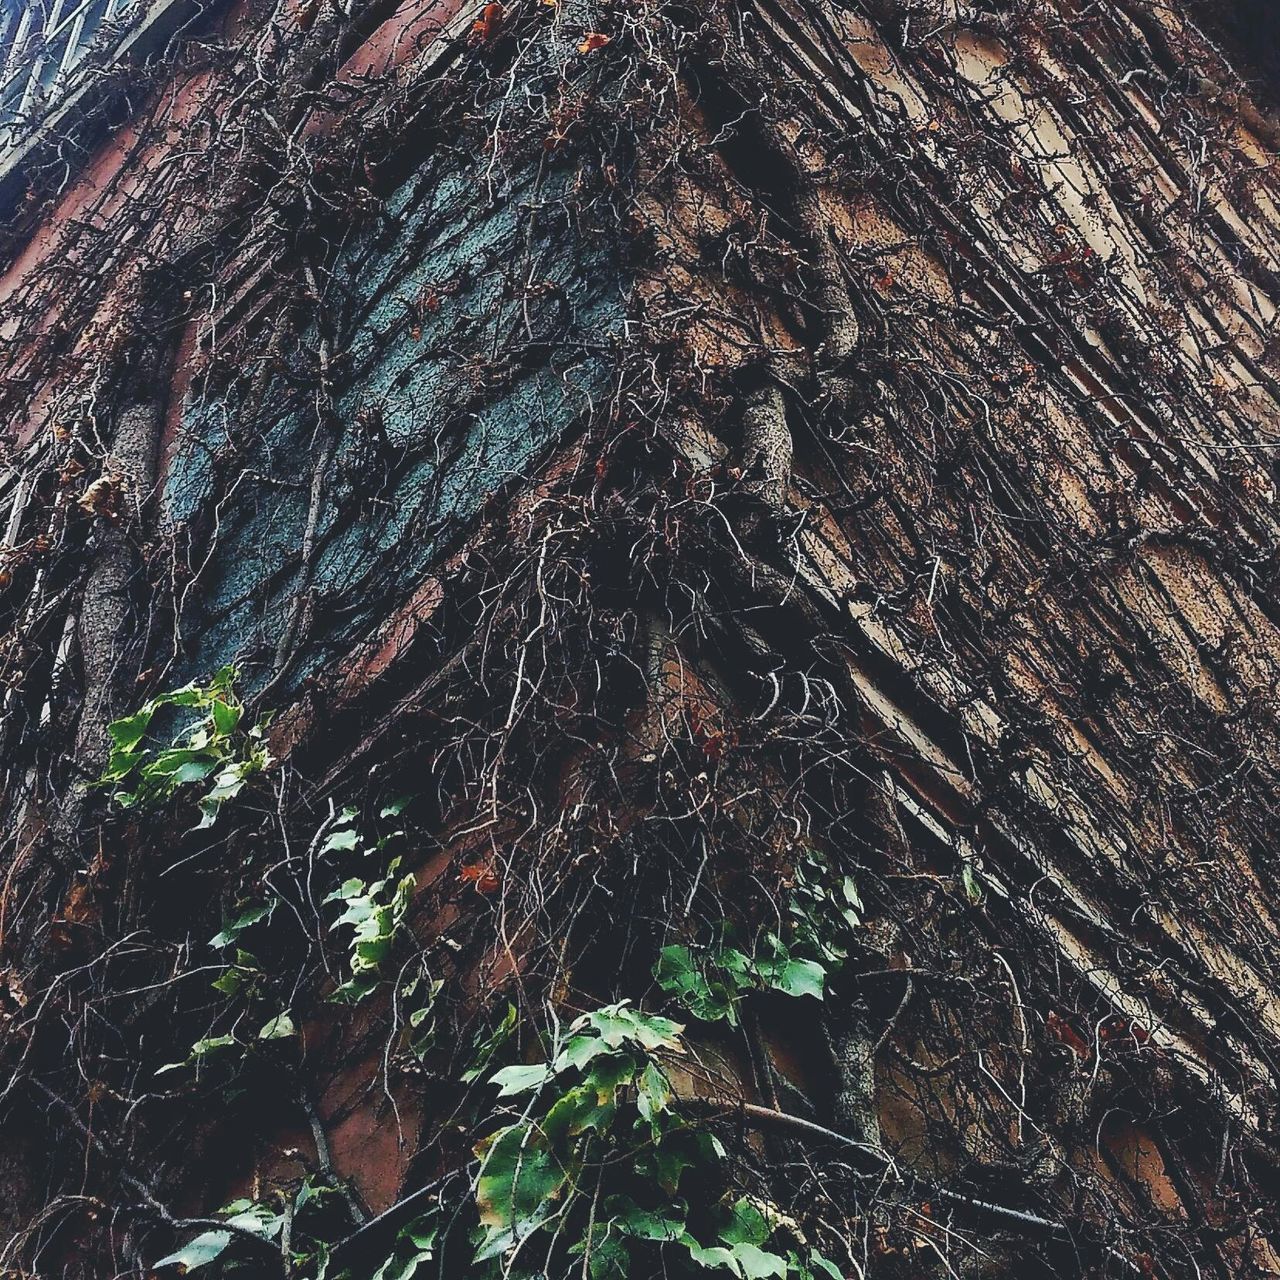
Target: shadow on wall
point(1251, 29)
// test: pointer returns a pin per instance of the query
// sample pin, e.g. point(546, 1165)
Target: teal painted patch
point(474, 334)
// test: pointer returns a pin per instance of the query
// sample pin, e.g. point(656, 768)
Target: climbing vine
point(756, 523)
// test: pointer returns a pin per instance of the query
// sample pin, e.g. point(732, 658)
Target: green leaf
point(676, 972)
point(653, 1092)
point(278, 1028)
point(193, 771)
point(167, 763)
point(354, 990)
point(817, 1260)
point(618, 1024)
point(190, 695)
point(753, 1263)
point(578, 1052)
point(519, 1079)
point(249, 916)
point(422, 1233)
point(794, 977)
point(583, 1107)
point(211, 1044)
point(670, 1160)
point(342, 841)
point(225, 677)
point(607, 1256)
point(518, 1180)
point(716, 1256)
point(747, 1225)
point(213, 745)
point(121, 765)
point(258, 1218)
point(201, 1050)
point(229, 982)
point(226, 716)
point(309, 1193)
point(128, 731)
point(201, 1251)
point(747, 1261)
point(402, 1266)
point(679, 975)
point(348, 891)
point(489, 1046)
point(609, 1072)
point(644, 1224)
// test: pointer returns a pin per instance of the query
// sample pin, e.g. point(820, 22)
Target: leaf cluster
point(821, 913)
point(214, 745)
point(590, 1178)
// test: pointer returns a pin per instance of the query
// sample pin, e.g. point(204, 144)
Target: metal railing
point(42, 43)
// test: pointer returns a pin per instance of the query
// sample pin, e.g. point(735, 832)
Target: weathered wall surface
point(664, 465)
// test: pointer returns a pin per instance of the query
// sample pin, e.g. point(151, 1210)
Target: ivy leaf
point(589, 1105)
point(578, 1052)
point(679, 975)
point(119, 767)
point(753, 1263)
point(226, 715)
point(716, 1256)
point(278, 1028)
point(850, 891)
point(251, 915)
point(490, 1045)
point(248, 1215)
point(609, 1072)
point(354, 990)
point(644, 1224)
point(128, 731)
point(519, 1079)
point(616, 1024)
point(669, 1161)
point(518, 1179)
point(224, 678)
point(612, 1024)
point(229, 982)
point(347, 891)
point(401, 1266)
point(210, 1245)
point(177, 764)
point(816, 1259)
point(201, 1251)
point(682, 1149)
point(201, 1050)
point(342, 841)
point(606, 1255)
point(227, 785)
point(210, 746)
point(747, 1261)
point(421, 1233)
point(747, 1225)
point(653, 1092)
point(794, 977)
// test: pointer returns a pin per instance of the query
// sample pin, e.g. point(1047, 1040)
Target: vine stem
point(150, 1204)
point(783, 1120)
